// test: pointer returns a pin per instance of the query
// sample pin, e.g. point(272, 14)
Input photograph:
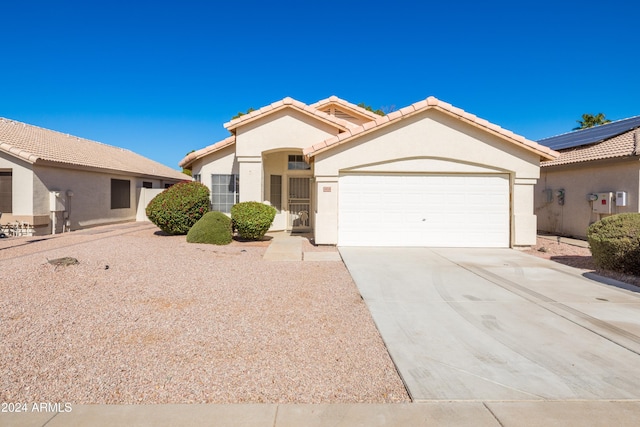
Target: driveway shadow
point(577, 261)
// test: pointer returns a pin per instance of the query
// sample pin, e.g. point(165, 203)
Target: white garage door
point(424, 210)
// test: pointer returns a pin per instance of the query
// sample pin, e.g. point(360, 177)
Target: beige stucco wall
point(261, 149)
point(22, 189)
point(578, 181)
point(219, 162)
point(275, 163)
point(89, 205)
point(90, 202)
point(427, 143)
point(286, 128)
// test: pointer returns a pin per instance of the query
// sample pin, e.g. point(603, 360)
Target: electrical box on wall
point(621, 198)
point(602, 204)
point(56, 201)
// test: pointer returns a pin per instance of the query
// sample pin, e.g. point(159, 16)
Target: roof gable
point(418, 107)
point(198, 154)
point(37, 145)
point(345, 107)
point(284, 104)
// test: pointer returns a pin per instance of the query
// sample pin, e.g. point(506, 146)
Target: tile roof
point(287, 103)
point(37, 145)
point(337, 101)
point(430, 103)
point(624, 145)
point(198, 154)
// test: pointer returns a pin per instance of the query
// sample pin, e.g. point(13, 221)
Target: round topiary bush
point(252, 219)
point(177, 208)
point(615, 243)
point(213, 228)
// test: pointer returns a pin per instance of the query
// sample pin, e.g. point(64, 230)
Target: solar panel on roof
point(591, 135)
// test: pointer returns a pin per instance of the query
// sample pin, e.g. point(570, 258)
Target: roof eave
point(188, 160)
point(628, 157)
point(74, 166)
point(19, 153)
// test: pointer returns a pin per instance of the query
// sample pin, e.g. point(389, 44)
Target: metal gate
point(299, 204)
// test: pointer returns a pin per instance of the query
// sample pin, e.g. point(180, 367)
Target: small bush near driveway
point(615, 243)
point(213, 228)
point(252, 219)
point(177, 208)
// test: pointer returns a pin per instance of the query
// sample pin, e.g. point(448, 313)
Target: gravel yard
point(148, 318)
point(575, 256)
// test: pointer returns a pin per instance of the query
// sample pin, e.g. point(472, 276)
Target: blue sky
point(160, 78)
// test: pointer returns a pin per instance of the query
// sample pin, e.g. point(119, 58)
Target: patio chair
point(2, 235)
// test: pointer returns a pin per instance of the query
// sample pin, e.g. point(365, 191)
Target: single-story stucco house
point(597, 174)
point(54, 182)
point(429, 174)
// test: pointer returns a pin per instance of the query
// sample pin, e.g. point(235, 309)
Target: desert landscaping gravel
point(577, 257)
point(148, 318)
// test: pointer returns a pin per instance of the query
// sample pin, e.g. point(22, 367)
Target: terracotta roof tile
point(394, 115)
point(432, 102)
point(35, 144)
point(623, 145)
point(198, 154)
point(407, 110)
point(419, 105)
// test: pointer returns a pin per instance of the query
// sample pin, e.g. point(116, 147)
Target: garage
point(438, 210)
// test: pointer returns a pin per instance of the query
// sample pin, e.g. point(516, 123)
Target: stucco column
point(250, 168)
point(524, 221)
point(326, 209)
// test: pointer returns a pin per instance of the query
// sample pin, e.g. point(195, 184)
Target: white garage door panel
point(431, 210)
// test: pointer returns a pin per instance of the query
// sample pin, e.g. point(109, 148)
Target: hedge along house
point(428, 174)
point(596, 175)
point(57, 182)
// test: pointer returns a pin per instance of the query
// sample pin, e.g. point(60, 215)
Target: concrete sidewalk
point(477, 414)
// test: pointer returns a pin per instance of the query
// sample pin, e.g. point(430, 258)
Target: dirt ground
point(575, 256)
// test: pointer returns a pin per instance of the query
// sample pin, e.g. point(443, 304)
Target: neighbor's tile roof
point(429, 103)
point(198, 154)
point(287, 103)
point(623, 145)
point(320, 105)
point(37, 145)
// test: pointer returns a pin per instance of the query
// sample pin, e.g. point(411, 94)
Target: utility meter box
point(603, 203)
point(56, 201)
point(621, 198)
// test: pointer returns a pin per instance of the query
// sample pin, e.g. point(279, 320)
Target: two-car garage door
point(424, 210)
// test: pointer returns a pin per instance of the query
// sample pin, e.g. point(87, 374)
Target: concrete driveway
point(497, 324)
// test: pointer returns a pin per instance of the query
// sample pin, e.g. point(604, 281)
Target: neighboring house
point(55, 182)
point(597, 174)
point(428, 174)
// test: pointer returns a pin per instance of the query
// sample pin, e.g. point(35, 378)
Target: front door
point(299, 204)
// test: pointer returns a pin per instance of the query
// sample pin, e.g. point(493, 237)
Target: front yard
point(149, 318)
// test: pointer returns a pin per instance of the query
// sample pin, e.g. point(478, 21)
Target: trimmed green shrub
point(252, 219)
point(177, 208)
point(615, 243)
point(213, 228)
